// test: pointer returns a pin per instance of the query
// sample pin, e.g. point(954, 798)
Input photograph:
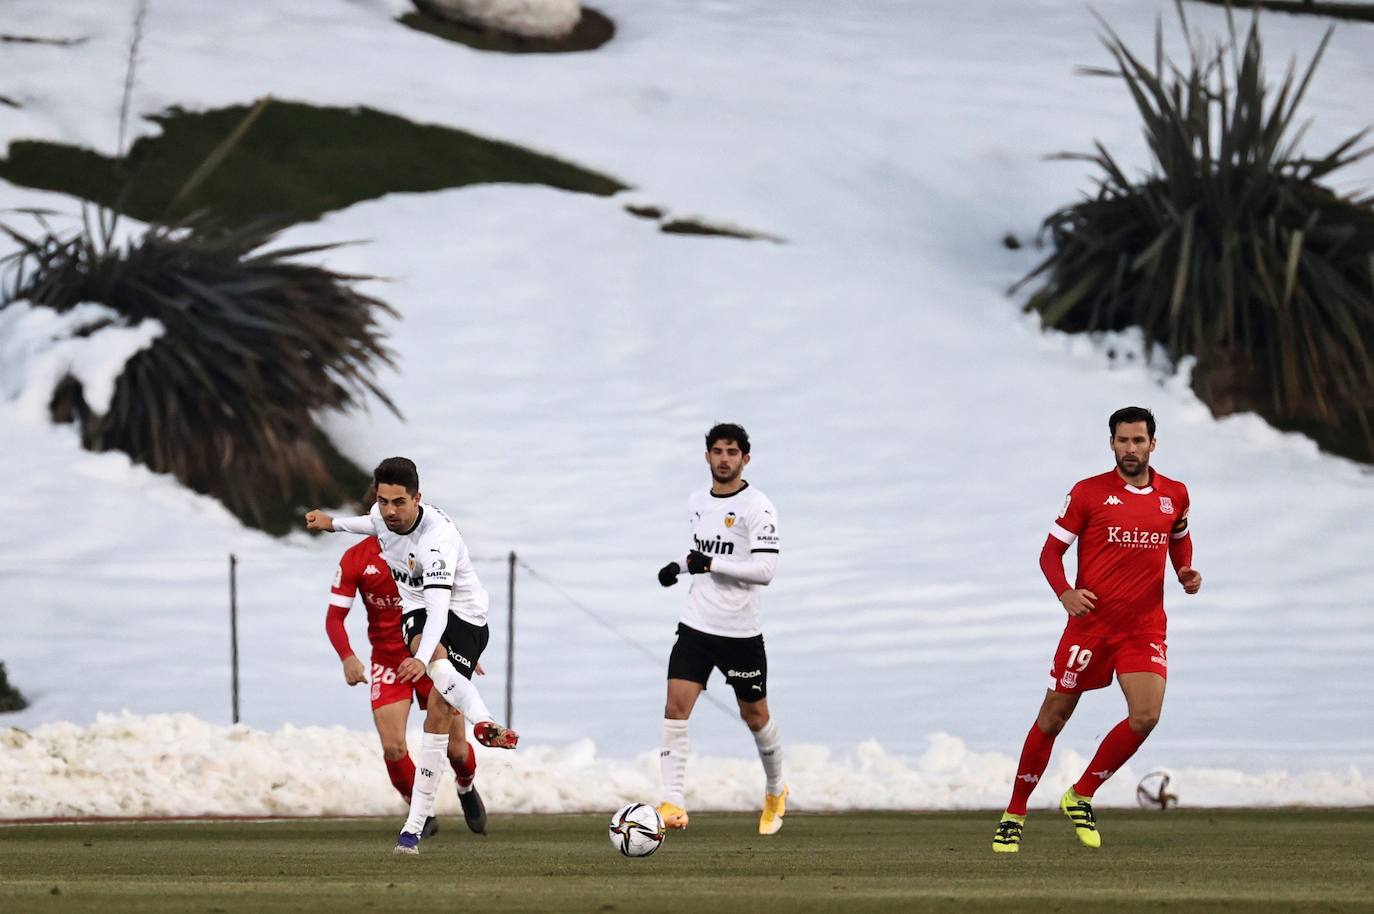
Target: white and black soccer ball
point(636, 830)
point(1153, 791)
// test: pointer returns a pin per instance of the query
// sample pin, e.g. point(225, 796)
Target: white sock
point(672, 761)
point(770, 753)
point(457, 691)
point(433, 755)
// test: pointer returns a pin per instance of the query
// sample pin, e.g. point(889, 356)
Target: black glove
point(698, 562)
point(667, 575)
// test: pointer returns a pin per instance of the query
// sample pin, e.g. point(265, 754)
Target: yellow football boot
point(1080, 812)
point(774, 808)
point(1008, 837)
point(673, 816)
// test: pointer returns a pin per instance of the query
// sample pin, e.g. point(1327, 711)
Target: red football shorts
point(387, 690)
point(1084, 662)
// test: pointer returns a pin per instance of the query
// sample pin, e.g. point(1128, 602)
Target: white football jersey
point(731, 527)
point(432, 554)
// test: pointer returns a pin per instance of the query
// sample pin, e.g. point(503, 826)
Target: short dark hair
point(397, 471)
point(728, 431)
point(1129, 414)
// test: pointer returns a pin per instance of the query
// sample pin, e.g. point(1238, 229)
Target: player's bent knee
point(438, 713)
point(1143, 723)
point(394, 752)
point(1052, 724)
point(754, 718)
point(677, 710)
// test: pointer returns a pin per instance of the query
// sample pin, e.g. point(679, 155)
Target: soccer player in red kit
point(362, 569)
point(1125, 521)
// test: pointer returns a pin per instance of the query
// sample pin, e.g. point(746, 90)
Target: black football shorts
point(743, 661)
point(463, 640)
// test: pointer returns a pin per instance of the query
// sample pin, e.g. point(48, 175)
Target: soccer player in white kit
point(734, 553)
point(443, 622)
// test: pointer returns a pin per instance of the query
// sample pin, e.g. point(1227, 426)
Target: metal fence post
point(510, 638)
point(234, 633)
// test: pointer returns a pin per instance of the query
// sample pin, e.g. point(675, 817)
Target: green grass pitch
point(1182, 860)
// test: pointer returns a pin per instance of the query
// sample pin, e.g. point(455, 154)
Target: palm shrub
point(11, 699)
point(256, 347)
point(1230, 248)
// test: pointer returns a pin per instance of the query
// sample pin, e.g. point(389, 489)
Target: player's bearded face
point(399, 508)
point(726, 460)
point(1132, 446)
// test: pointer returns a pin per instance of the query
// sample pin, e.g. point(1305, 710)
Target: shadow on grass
point(296, 161)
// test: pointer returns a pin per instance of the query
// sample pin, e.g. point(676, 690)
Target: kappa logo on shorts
point(1069, 680)
point(1166, 505)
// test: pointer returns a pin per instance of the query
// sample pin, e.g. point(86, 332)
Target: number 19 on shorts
point(1080, 657)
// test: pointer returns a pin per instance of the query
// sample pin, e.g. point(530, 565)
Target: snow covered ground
point(560, 361)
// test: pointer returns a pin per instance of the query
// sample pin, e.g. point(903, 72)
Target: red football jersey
point(362, 569)
point(1123, 535)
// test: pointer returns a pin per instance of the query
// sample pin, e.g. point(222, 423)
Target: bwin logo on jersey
point(716, 546)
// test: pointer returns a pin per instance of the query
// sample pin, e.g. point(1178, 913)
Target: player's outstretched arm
point(318, 520)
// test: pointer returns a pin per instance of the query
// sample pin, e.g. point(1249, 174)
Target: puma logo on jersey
point(716, 546)
point(1112, 500)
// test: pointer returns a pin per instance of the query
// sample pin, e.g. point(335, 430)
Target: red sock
point(465, 769)
point(1035, 756)
point(1117, 747)
point(402, 772)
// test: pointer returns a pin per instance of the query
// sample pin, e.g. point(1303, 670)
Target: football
point(636, 830)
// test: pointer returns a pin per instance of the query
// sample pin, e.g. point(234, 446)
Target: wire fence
point(513, 563)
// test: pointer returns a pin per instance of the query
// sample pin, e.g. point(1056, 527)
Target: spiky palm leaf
point(1231, 249)
point(256, 346)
